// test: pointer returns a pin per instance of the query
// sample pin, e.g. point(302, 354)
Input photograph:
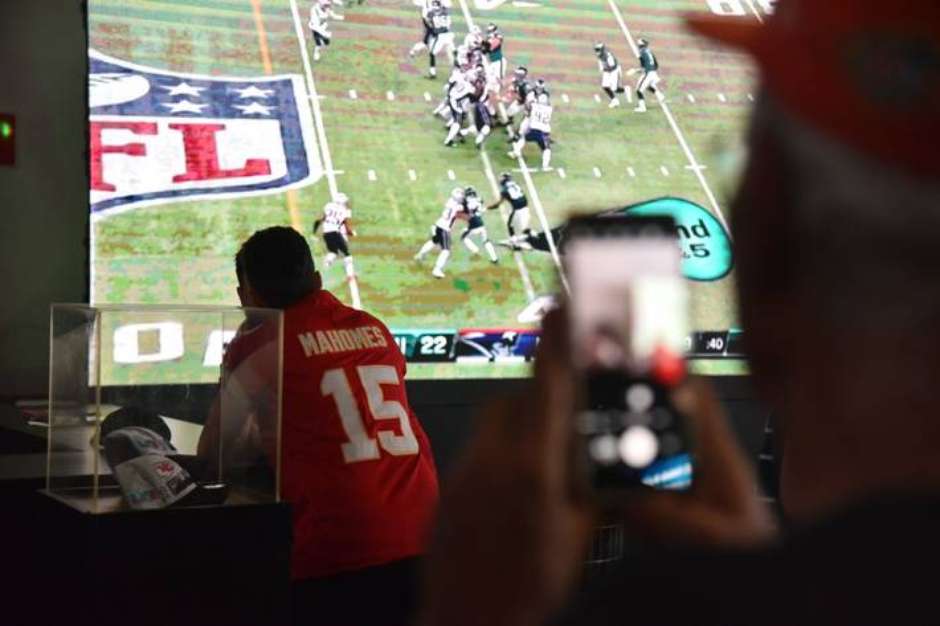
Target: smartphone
point(628, 310)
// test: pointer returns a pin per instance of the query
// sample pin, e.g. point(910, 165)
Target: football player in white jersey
point(473, 213)
point(443, 109)
point(537, 127)
point(440, 232)
point(474, 38)
point(611, 73)
point(459, 101)
point(337, 226)
point(320, 13)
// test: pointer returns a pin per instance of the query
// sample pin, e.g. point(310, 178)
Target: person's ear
point(241, 294)
point(250, 297)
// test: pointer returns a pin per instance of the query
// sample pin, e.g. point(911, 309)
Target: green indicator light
point(6, 130)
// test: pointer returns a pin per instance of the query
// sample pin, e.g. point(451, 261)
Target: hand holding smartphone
point(628, 315)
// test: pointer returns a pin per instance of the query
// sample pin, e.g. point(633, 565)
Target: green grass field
point(181, 252)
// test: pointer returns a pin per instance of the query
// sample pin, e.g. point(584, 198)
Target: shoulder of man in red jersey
point(340, 329)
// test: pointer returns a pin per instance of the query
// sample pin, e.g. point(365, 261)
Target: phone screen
point(629, 310)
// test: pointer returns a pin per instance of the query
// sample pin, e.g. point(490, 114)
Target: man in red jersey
point(356, 466)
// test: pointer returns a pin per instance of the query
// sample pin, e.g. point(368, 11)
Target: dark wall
point(449, 412)
point(44, 198)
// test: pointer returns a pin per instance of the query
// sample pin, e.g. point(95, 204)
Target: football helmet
point(457, 193)
point(599, 48)
point(641, 42)
point(470, 191)
point(341, 198)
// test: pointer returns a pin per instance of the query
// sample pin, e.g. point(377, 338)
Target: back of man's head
point(836, 228)
point(276, 263)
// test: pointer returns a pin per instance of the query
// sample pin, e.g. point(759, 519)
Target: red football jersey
point(356, 465)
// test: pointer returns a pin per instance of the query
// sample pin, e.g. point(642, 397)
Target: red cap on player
point(866, 71)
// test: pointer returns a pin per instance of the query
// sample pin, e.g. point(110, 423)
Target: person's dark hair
point(277, 263)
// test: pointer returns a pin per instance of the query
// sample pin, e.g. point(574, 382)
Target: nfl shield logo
point(159, 136)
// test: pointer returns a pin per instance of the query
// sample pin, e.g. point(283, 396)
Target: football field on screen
point(371, 135)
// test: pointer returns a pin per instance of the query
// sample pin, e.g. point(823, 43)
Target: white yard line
point(540, 212)
point(533, 193)
point(321, 132)
point(750, 4)
point(675, 127)
point(371, 175)
point(523, 270)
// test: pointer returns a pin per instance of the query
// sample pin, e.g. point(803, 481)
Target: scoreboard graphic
point(504, 345)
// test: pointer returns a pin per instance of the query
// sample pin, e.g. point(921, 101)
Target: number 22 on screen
point(362, 447)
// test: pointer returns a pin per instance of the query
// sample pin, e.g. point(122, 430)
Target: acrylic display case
point(211, 375)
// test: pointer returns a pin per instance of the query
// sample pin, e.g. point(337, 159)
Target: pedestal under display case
point(163, 465)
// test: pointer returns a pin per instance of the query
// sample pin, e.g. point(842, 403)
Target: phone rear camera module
point(604, 450)
point(638, 447)
point(639, 397)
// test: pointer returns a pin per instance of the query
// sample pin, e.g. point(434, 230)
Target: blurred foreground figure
point(837, 224)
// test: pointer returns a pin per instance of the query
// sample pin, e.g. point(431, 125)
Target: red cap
point(865, 71)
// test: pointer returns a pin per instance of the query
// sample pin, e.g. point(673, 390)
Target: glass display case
point(163, 406)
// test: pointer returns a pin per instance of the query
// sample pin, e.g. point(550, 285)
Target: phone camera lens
point(603, 450)
point(638, 446)
point(639, 397)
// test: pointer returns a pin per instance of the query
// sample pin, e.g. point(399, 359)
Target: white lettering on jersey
point(514, 191)
point(474, 206)
point(540, 117)
point(460, 90)
point(451, 209)
point(327, 341)
point(334, 218)
point(441, 22)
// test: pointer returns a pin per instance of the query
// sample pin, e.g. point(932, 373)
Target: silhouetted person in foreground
point(837, 224)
